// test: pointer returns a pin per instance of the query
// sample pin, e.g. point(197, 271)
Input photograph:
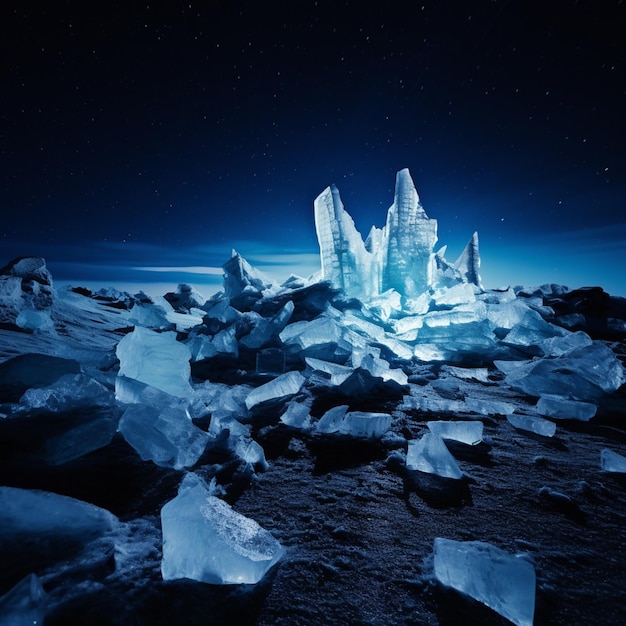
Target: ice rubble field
point(413, 364)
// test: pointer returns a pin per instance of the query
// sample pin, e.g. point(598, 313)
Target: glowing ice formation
point(204, 539)
point(502, 581)
point(430, 455)
point(398, 257)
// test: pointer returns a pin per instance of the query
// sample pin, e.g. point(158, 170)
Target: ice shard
point(503, 582)
point(612, 461)
point(204, 539)
point(430, 455)
point(345, 261)
point(470, 433)
point(25, 604)
point(468, 264)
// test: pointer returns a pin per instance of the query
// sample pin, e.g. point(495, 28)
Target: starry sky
point(141, 142)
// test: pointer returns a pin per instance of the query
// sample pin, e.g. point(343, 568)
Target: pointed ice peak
point(468, 262)
point(405, 196)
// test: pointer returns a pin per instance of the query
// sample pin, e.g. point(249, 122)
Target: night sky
point(139, 143)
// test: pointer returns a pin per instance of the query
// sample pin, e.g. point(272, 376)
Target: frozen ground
point(358, 528)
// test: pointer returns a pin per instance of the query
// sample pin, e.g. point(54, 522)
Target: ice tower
point(398, 256)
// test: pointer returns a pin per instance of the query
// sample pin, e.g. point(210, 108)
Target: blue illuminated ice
point(470, 433)
point(166, 435)
point(503, 582)
point(612, 461)
point(532, 424)
point(156, 359)
point(283, 386)
point(205, 539)
point(430, 455)
point(399, 258)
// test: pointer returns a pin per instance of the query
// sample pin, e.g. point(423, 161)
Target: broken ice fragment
point(532, 424)
point(167, 436)
point(612, 462)
point(501, 581)
point(156, 359)
point(430, 455)
point(563, 408)
point(297, 415)
point(364, 424)
point(330, 422)
point(204, 539)
point(281, 387)
point(24, 604)
point(470, 433)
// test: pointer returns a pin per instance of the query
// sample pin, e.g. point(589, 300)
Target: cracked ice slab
point(502, 581)
point(204, 539)
point(532, 424)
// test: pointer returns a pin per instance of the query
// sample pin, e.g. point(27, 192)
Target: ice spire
point(468, 263)
point(410, 236)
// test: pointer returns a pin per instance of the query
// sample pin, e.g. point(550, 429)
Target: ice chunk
point(557, 346)
point(532, 424)
point(251, 452)
point(430, 455)
point(305, 337)
point(25, 604)
point(468, 263)
point(586, 374)
point(330, 422)
point(204, 539)
point(70, 392)
point(156, 359)
point(167, 436)
point(612, 462)
point(243, 283)
point(563, 408)
point(29, 319)
point(461, 293)
point(470, 433)
point(298, 415)
point(222, 343)
point(283, 386)
point(185, 298)
point(150, 315)
point(32, 370)
point(365, 424)
point(337, 373)
point(267, 329)
point(503, 582)
point(531, 332)
point(42, 518)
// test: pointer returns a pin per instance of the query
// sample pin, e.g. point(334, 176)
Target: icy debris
point(481, 374)
point(251, 453)
point(240, 278)
point(364, 424)
point(586, 374)
point(32, 320)
point(150, 315)
point(220, 314)
point(319, 335)
point(167, 436)
point(204, 539)
point(563, 408)
point(430, 455)
point(337, 373)
point(156, 359)
point(470, 433)
point(462, 293)
point(185, 298)
point(283, 386)
point(70, 392)
point(48, 519)
point(25, 604)
point(503, 582)
point(330, 422)
point(612, 462)
point(379, 368)
point(267, 330)
point(224, 342)
point(32, 371)
point(298, 415)
point(532, 424)
point(558, 346)
point(532, 332)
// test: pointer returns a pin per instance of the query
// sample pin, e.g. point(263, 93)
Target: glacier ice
point(204, 539)
point(156, 359)
point(469, 433)
point(398, 257)
point(25, 604)
point(532, 424)
point(166, 436)
point(612, 461)
point(365, 424)
point(430, 455)
point(503, 582)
